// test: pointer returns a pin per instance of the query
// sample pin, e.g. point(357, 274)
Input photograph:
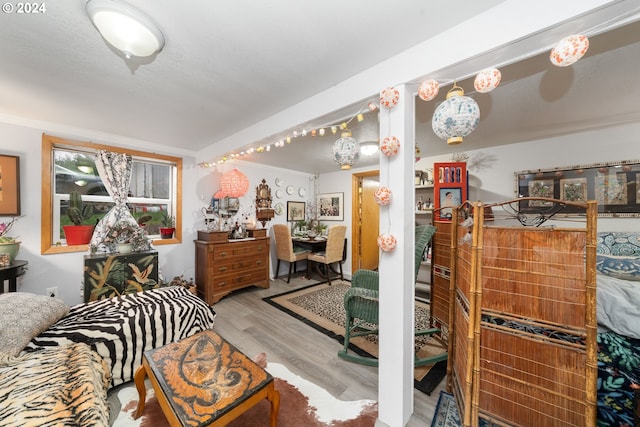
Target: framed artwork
point(614, 185)
point(330, 206)
point(9, 185)
point(449, 197)
point(295, 211)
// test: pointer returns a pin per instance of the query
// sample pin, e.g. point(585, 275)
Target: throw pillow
point(24, 316)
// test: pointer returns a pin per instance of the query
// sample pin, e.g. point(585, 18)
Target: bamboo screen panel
point(441, 262)
point(535, 273)
point(528, 336)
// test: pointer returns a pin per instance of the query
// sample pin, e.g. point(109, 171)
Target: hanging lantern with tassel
point(456, 117)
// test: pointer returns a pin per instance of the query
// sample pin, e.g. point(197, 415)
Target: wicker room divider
point(523, 330)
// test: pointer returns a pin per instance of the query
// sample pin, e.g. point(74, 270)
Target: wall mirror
point(226, 207)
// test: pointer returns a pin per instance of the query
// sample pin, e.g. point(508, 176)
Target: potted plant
point(168, 225)
point(8, 245)
point(78, 212)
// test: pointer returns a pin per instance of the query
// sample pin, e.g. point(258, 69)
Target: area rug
point(322, 307)
point(302, 403)
point(446, 414)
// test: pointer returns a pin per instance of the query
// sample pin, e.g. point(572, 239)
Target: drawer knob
point(222, 269)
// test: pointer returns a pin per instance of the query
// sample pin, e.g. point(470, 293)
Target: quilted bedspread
point(58, 386)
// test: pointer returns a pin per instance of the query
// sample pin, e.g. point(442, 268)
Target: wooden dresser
point(223, 267)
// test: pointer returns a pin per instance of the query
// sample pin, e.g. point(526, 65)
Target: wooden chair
point(285, 251)
point(361, 303)
point(333, 252)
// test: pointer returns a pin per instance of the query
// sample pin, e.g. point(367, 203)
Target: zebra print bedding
point(122, 328)
point(58, 386)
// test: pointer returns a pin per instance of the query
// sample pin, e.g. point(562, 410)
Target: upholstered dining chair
point(332, 253)
point(285, 251)
point(361, 305)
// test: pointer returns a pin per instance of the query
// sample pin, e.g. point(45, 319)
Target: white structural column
point(395, 373)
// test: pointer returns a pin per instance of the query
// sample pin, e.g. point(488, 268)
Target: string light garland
point(321, 130)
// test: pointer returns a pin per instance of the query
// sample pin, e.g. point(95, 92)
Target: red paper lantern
point(234, 183)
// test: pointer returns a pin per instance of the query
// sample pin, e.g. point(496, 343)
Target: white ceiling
point(226, 64)
point(229, 64)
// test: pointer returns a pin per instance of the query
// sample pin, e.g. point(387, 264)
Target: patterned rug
point(446, 414)
point(321, 306)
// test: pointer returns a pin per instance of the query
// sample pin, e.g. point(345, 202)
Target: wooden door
point(365, 222)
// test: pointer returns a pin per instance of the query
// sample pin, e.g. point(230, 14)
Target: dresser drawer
point(238, 249)
point(229, 265)
point(239, 279)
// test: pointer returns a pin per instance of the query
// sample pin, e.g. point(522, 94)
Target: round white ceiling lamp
point(369, 148)
point(126, 28)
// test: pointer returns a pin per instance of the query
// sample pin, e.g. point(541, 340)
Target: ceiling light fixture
point(126, 28)
point(369, 148)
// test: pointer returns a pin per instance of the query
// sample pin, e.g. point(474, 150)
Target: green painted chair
point(362, 308)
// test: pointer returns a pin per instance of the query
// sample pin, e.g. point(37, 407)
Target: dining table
point(318, 244)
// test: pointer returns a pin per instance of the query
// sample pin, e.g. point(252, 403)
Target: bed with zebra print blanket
point(122, 328)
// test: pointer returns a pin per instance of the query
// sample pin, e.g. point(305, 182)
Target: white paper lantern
point(389, 97)
point(387, 242)
point(428, 89)
point(456, 117)
point(382, 196)
point(390, 146)
point(487, 80)
point(569, 50)
point(346, 150)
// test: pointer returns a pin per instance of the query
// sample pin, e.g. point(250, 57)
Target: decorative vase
point(11, 249)
point(124, 248)
point(78, 234)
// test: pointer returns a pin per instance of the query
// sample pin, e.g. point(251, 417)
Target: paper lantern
point(234, 183)
point(389, 97)
point(456, 117)
point(569, 50)
point(387, 242)
point(346, 150)
point(390, 146)
point(487, 80)
point(428, 90)
point(382, 196)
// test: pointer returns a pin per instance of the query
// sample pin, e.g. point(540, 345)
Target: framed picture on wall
point(9, 185)
point(295, 211)
point(614, 185)
point(330, 206)
point(449, 198)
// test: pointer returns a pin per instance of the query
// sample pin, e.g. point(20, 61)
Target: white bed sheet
point(618, 305)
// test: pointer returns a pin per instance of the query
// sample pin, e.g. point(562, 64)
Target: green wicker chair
point(361, 306)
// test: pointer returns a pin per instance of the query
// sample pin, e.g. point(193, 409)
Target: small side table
point(11, 273)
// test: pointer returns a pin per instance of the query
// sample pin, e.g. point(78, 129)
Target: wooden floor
point(254, 327)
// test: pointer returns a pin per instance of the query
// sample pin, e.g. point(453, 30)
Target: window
point(67, 166)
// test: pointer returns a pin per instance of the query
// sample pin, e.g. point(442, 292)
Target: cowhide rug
point(302, 403)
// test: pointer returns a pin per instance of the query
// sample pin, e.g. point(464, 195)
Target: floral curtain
point(115, 171)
